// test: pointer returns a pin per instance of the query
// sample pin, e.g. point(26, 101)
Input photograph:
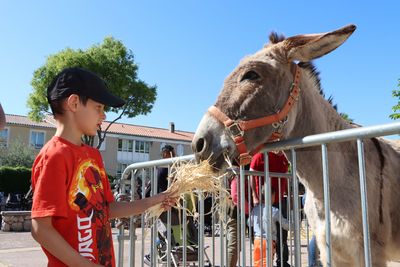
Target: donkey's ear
point(310, 46)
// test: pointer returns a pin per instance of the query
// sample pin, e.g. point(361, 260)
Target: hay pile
point(195, 179)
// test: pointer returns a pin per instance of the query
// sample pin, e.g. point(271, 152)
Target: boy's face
point(89, 117)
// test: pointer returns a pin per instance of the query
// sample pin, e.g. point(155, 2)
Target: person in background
point(259, 218)
point(277, 163)
point(167, 152)
point(233, 232)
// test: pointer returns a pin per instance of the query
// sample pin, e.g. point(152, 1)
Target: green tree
point(346, 117)
point(113, 62)
point(18, 154)
point(396, 108)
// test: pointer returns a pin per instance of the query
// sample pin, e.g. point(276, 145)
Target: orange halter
point(238, 128)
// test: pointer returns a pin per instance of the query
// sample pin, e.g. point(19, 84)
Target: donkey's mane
point(315, 74)
point(275, 38)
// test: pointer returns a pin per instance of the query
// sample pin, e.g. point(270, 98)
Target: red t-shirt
point(71, 186)
point(277, 163)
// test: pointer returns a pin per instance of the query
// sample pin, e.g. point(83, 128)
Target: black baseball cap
point(83, 83)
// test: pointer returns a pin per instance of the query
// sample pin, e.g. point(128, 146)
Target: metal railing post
point(242, 216)
point(268, 205)
point(132, 226)
point(296, 210)
point(364, 202)
point(201, 231)
point(327, 205)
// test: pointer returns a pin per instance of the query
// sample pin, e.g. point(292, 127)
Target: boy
point(260, 230)
point(72, 201)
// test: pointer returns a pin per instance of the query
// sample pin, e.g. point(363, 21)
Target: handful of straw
point(189, 177)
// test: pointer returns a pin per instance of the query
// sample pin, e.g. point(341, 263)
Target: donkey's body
point(259, 87)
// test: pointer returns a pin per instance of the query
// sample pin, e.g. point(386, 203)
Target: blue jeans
point(312, 261)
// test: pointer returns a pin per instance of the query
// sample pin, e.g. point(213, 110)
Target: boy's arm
point(127, 209)
point(47, 236)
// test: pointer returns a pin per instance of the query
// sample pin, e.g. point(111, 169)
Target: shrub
point(15, 179)
point(17, 154)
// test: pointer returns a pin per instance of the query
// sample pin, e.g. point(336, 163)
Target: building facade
point(123, 145)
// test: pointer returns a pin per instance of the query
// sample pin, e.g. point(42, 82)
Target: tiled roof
point(129, 129)
point(23, 120)
point(115, 128)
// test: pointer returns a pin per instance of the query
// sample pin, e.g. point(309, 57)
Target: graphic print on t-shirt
point(86, 197)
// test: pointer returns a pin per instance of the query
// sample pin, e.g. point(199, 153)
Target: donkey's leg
point(338, 261)
point(359, 262)
point(341, 262)
point(340, 258)
point(379, 263)
point(378, 256)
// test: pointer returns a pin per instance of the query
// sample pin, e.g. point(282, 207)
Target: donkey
point(269, 96)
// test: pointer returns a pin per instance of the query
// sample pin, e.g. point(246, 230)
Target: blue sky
point(187, 48)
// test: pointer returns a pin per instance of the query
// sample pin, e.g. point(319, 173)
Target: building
point(124, 144)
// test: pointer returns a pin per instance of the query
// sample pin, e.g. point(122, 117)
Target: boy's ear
point(72, 102)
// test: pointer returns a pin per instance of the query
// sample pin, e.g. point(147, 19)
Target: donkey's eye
point(250, 75)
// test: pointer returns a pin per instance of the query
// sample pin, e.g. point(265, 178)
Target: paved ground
point(20, 250)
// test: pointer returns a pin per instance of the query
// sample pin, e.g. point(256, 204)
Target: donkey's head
point(258, 100)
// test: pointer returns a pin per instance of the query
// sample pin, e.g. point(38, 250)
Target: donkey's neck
point(314, 115)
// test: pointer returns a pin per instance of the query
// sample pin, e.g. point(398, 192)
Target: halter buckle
point(279, 125)
point(244, 159)
point(235, 130)
point(295, 97)
point(276, 124)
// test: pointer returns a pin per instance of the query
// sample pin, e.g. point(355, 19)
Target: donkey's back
point(391, 172)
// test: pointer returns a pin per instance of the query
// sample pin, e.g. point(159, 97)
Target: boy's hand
point(168, 200)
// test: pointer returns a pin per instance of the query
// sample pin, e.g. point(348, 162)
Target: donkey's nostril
point(200, 145)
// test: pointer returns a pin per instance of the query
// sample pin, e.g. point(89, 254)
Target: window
point(120, 169)
point(142, 147)
point(103, 145)
point(37, 139)
point(4, 137)
point(161, 146)
point(125, 145)
point(179, 150)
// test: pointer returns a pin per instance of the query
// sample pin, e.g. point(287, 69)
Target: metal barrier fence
point(173, 256)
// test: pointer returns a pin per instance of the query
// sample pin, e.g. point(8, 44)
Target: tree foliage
point(112, 61)
point(346, 117)
point(396, 108)
point(15, 179)
point(18, 154)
